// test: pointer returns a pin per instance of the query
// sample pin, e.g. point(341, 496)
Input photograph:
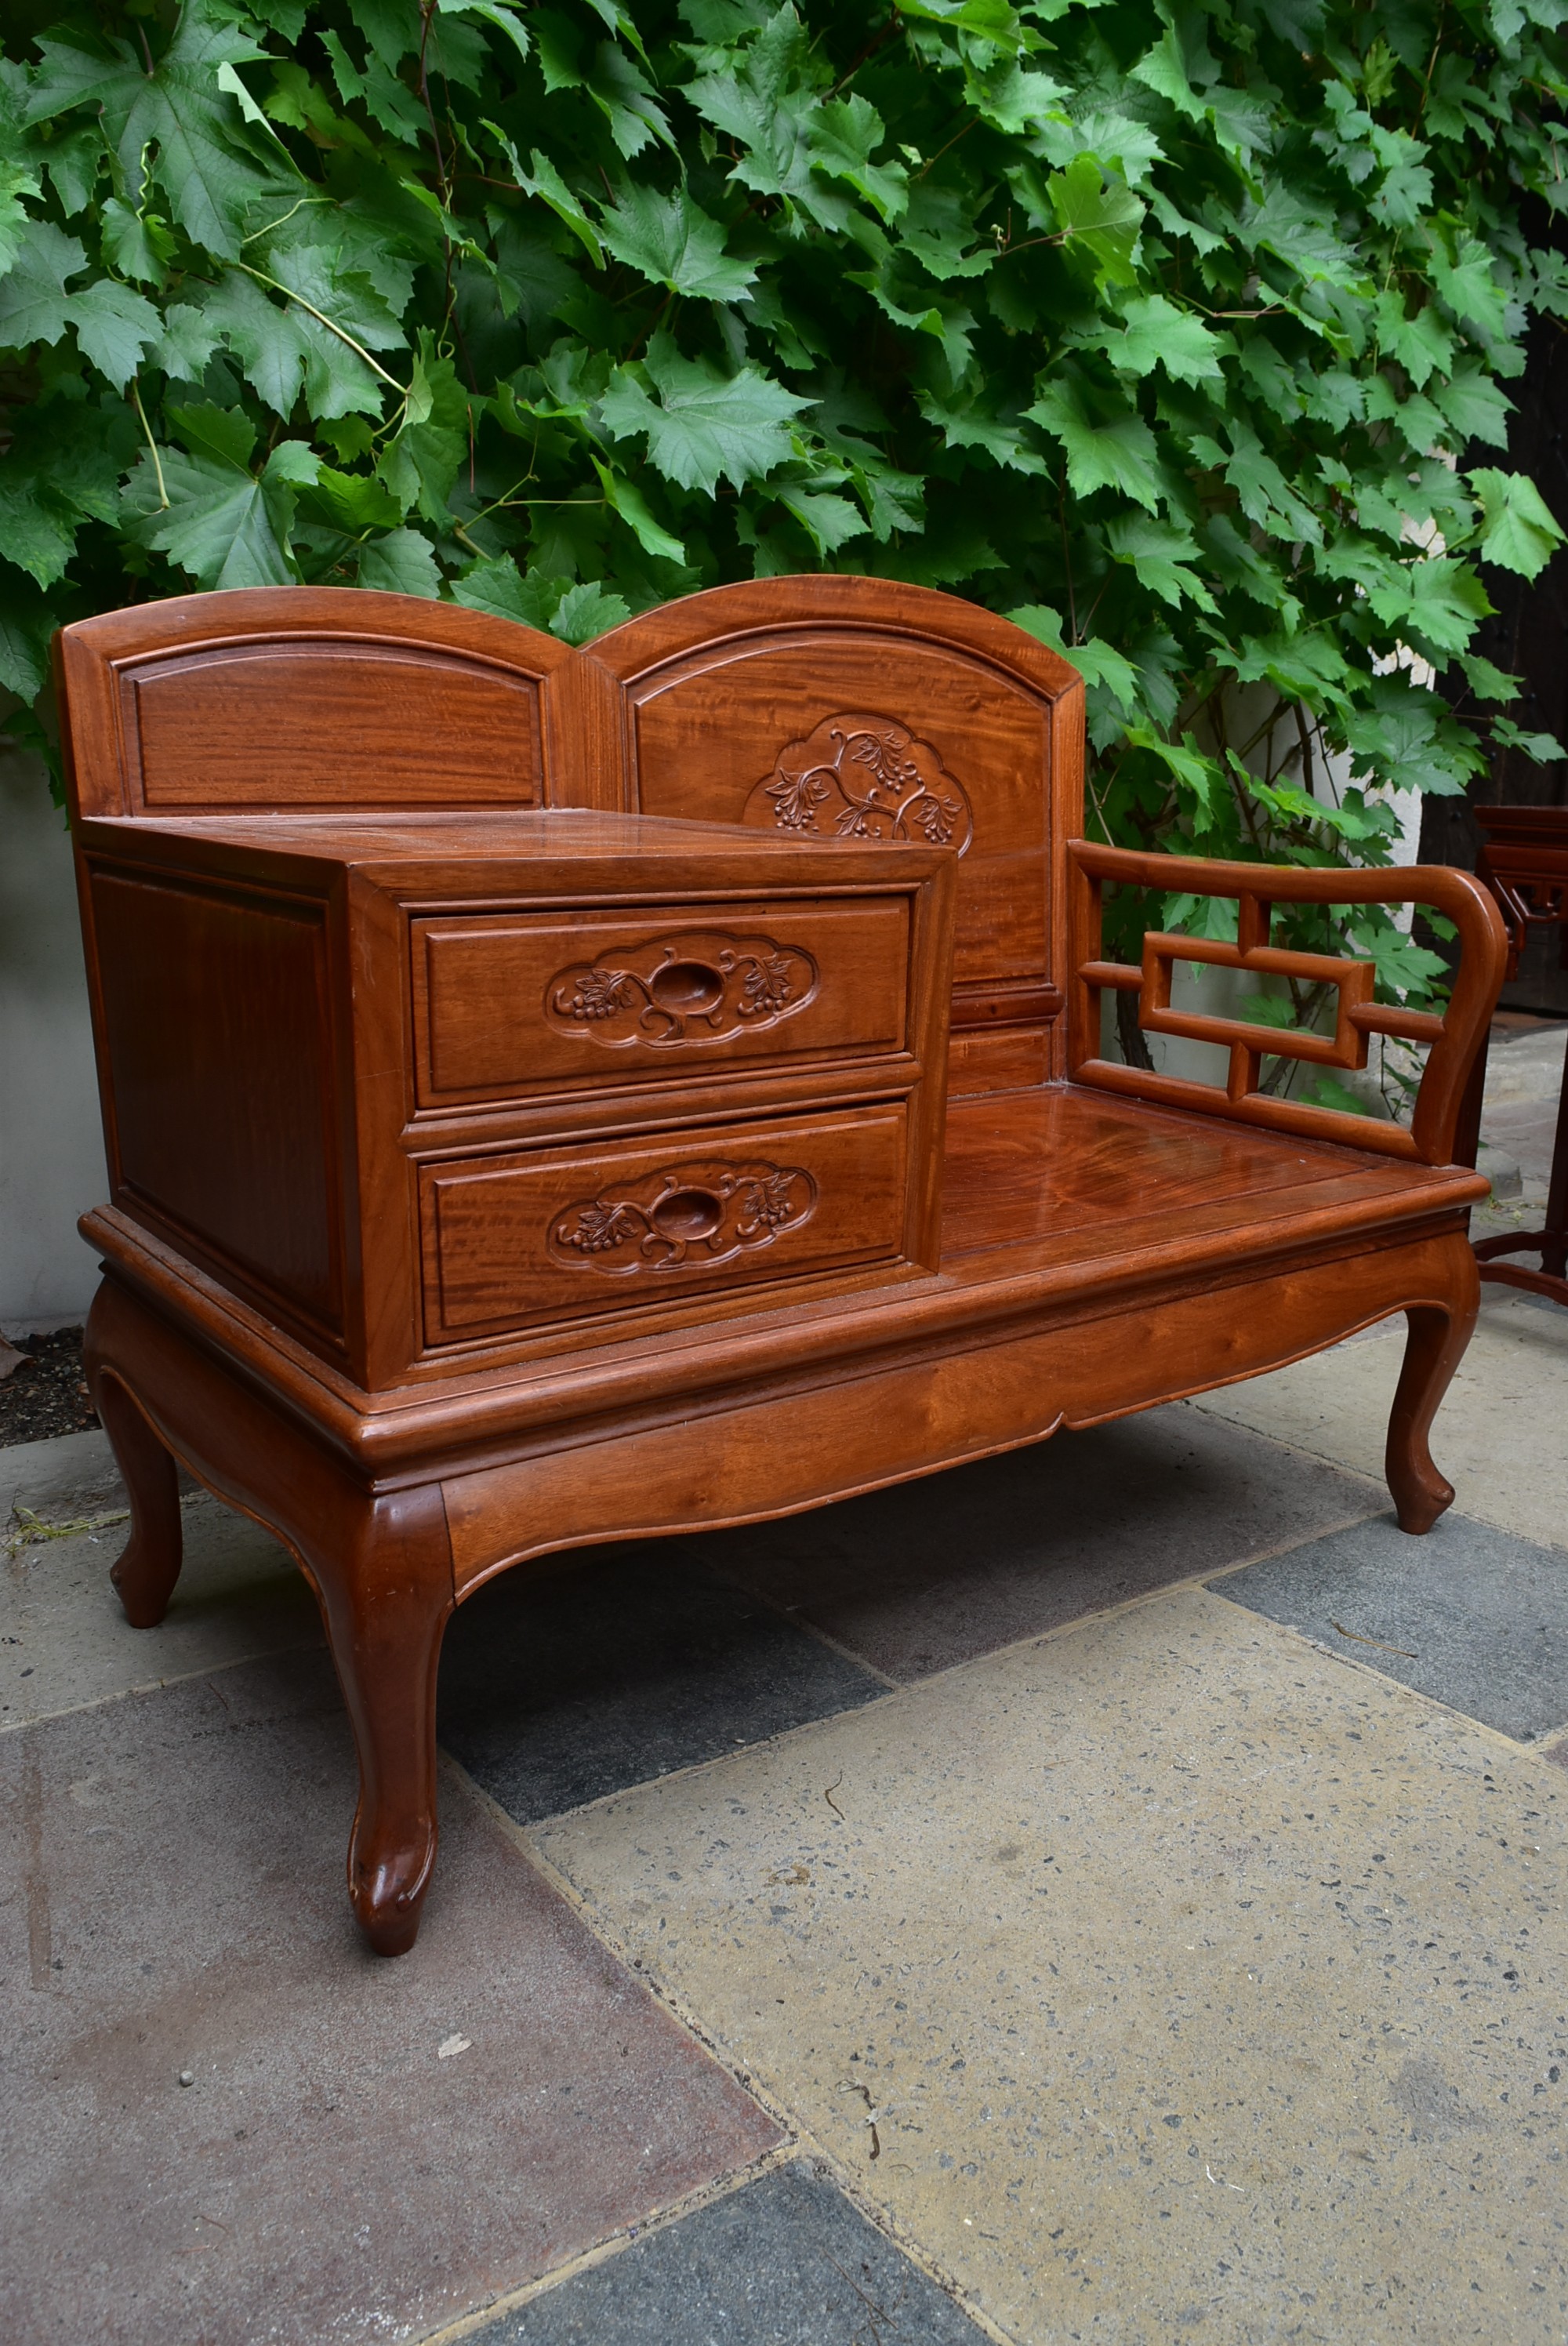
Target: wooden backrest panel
point(305, 698)
point(860, 707)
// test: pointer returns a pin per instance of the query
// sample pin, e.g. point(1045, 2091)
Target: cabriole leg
point(149, 1565)
point(385, 1614)
point(1433, 1352)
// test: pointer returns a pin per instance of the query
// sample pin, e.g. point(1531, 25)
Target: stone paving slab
point(64, 1640)
point(72, 1476)
point(626, 1664)
point(787, 2261)
point(1199, 1987)
point(931, 1573)
point(1468, 1614)
point(1499, 1435)
point(171, 1899)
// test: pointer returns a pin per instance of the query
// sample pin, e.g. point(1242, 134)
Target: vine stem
point(152, 443)
point(323, 320)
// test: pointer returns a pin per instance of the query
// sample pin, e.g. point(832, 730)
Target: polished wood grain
point(224, 1127)
point(568, 1234)
point(507, 1007)
point(313, 1158)
point(309, 697)
point(874, 710)
point(526, 1075)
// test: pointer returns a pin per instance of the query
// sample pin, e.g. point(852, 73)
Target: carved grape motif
point(684, 1217)
point(863, 778)
point(706, 986)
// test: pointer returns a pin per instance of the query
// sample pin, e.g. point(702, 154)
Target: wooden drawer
point(512, 1242)
point(508, 1005)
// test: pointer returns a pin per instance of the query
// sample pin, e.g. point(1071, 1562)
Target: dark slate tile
point(787, 2261)
point(622, 1666)
point(937, 1571)
point(1472, 1615)
point(171, 1898)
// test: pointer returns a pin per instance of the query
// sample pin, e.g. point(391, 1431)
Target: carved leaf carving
point(859, 777)
point(688, 1216)
point(704, 986)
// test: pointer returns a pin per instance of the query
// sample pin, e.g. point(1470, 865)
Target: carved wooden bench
point(553, 1096)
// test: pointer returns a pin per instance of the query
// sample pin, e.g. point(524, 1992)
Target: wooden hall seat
point(526, 1083)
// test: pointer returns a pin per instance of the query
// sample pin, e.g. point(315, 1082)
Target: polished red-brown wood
point(525, 1078)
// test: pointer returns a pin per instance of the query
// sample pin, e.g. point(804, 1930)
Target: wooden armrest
point(1455, 1038)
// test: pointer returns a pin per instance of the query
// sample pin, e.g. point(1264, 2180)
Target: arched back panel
point(304, 696)
point(862, 708)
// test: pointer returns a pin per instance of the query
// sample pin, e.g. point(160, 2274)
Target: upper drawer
point(509, 1004)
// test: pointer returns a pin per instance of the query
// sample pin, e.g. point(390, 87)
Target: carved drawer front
point(510, 1004)
point(569, 1234)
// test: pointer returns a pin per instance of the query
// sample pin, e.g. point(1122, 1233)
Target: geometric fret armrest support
point(1455, 1038)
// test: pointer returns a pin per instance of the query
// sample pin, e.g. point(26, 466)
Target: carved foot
point(387, 1880)
point(1434, 1349)
point(387, 1593)
point(149, 1565)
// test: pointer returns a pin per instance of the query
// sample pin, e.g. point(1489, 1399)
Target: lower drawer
point(565, 1234)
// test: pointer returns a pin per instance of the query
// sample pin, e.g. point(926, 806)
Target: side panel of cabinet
point(216, 1022)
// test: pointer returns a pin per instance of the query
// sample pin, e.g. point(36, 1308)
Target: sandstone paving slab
point(627, 1663)
point(934, 1572)
point(172, 1900)
point(785, 2261)
point(1499, 1436)
point(1187, 1985)
point(64, 1638)
point(1469, 1614)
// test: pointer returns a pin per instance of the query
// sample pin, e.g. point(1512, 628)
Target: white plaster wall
point(51, 1143)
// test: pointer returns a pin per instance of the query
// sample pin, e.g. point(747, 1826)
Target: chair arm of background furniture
point(1455, 1038)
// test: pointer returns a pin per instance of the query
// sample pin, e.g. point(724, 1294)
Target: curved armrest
point(1455, 1038)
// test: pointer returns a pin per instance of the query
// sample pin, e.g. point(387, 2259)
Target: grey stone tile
point(1469, 1614)
point(72, 1476)
point(787, 2261)
point(171, 1899)
point(939, 1571)
point(64, 1636)
point(623, 1666)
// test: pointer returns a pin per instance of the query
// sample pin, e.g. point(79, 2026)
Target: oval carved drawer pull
point(683, 1217)
point(703, 987)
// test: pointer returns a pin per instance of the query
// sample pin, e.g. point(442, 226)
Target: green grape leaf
point(588, 610)
point(495, 585)
point(672, 242)
point(1161, 553)
point(222, 525)
point(27, 623)
point(1440, 601)
point(179, 110)
point(34, 306)
point(114, 327)
point(1153, 332)
point(627, 499)
point(1519, 531)
point(1101, 216)
point(1119, 455)
point(705, 425)
point(401, 563)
